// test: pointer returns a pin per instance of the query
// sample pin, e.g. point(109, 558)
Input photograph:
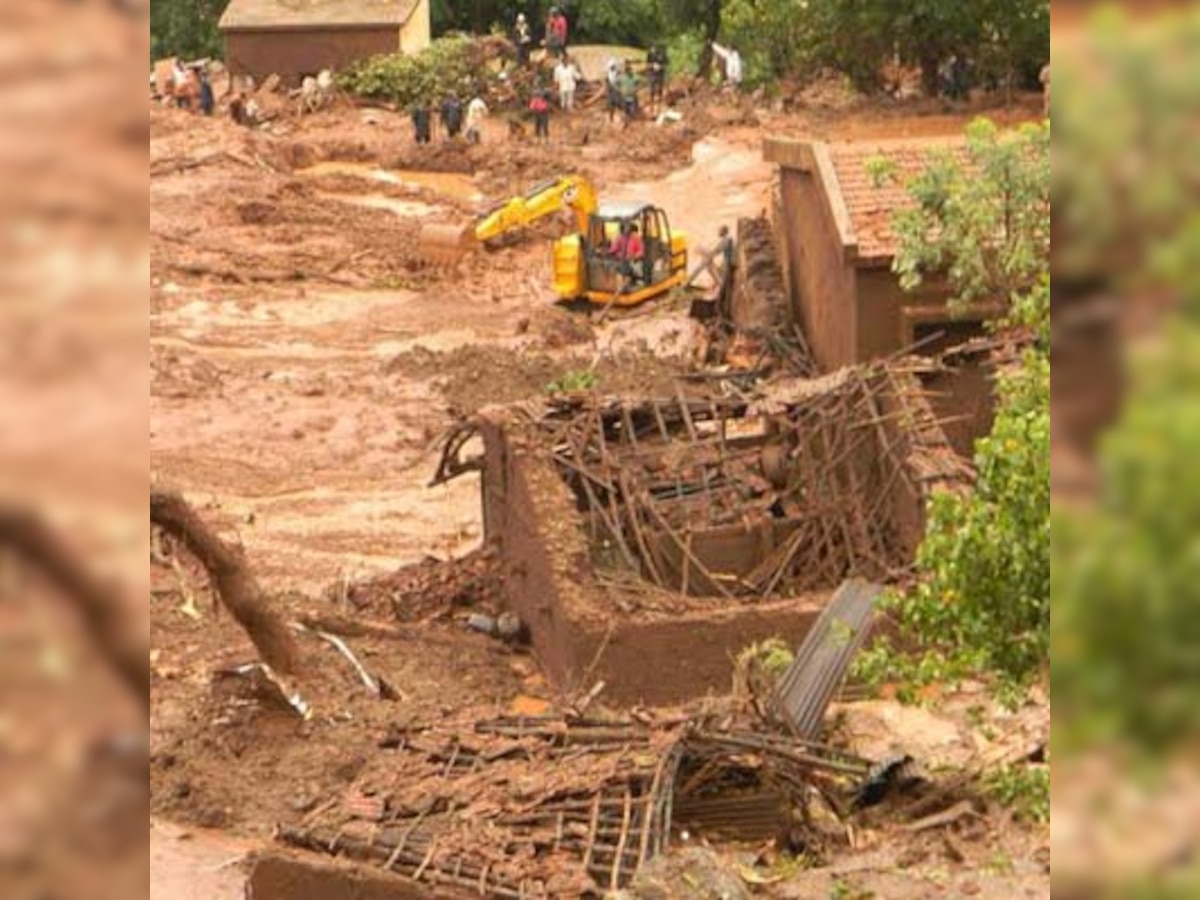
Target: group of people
point(190, 88)
point(555, 40)
point(454, 118)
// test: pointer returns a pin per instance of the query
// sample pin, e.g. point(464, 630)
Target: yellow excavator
point(597, 262)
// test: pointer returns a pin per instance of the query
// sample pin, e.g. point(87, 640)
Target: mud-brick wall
point(821, 282)
point(930, 463)
point(963, 398)
point(527, 516)
point(292, 54)
point(580, 636)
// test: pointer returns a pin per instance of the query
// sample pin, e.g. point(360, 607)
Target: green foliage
point(770, 34)
point(448, 64)
point(772, 656)
point(1126, 574)
point(984, 601)
point(186, 28)
point(577, 380)
point(982, 222)
point(686, 51)
point(632, 22)
point(1025, 789)
point(1005, 40)
point(1124, 144)
point(1124, 569)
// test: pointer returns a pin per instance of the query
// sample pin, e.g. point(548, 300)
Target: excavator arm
point(568, 192)
point(447, 243)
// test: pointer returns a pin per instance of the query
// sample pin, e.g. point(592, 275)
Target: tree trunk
point(712, 30)
point(104, 613)
point(234, 583)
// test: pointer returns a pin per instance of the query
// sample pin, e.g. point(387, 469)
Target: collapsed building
point(836, 246)
point(647, 541)
point(569, 806)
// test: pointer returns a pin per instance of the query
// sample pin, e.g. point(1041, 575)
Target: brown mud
point(304, 364)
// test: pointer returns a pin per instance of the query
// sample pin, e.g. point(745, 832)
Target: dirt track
point(304, 364)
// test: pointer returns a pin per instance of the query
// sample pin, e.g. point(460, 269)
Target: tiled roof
point(270, 14)
point(871, 207)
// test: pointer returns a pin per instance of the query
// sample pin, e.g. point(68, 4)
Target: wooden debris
point(234, 582)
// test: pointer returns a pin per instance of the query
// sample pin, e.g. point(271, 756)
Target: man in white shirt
point(476, 112)
point(566, 79)
point(733, 64)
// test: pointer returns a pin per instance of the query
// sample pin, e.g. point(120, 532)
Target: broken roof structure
point(563, 808)
point(648, 541)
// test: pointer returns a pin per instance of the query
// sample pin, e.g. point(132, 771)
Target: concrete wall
point(294, 54)
point(821, 282)
point(415, 36)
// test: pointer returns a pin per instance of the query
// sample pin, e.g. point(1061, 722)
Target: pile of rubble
point(571, 806)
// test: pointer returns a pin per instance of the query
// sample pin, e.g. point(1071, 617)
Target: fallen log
point(235, 584)
point(103, 611)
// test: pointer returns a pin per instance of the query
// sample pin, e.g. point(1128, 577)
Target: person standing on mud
point(540, 107)
point(628, 86)
point(523, 38)
point(556, 32)
point(733, 64)
point(726, 251)
point(566, 78)
point(656, 68)
point(208, 100)
point(477, 111)
point(612, 87)
point(422, 121)
point(452, 116)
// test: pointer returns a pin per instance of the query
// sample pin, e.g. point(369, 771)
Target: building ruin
point(648, 541)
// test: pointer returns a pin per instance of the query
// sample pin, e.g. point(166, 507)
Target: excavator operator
point(626, 249)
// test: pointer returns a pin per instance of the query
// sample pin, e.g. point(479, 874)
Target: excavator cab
point(611, 276)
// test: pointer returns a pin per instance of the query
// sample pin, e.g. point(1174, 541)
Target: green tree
point(703, 17)
point(983, 599)
point(186, 28)
point(1002, 38)
point(980, 218)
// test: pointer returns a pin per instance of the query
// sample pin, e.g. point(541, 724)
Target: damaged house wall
point(579, 633)
point(646, 542)
point(838, 247)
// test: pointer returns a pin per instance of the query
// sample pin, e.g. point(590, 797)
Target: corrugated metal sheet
point(821, 664)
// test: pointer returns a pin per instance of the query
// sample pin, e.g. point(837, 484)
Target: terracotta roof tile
point(871, 207)
point(270, 14)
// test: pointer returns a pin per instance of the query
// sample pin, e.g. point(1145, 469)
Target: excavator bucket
point(444, 244)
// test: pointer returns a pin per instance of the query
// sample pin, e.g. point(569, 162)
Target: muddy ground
point(304, 364)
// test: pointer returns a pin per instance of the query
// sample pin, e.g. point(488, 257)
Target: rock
point(695, 872)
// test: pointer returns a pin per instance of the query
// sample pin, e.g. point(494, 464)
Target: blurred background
point(73, 448)
point(1125, 432)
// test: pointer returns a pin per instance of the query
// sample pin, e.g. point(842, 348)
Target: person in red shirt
point(539, 106)
point(556, 32)
point(627, 248)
